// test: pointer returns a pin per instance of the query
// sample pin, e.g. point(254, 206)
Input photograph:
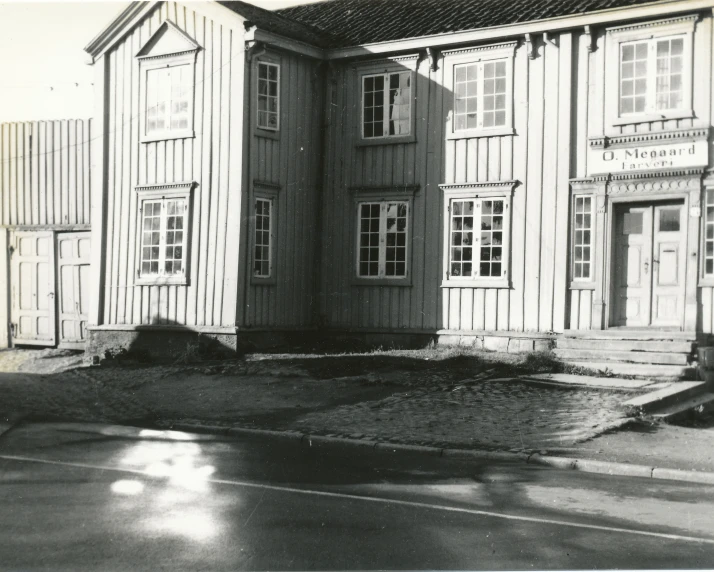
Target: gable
point(168, 39)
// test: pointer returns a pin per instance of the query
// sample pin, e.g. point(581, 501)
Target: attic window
point(167, 64)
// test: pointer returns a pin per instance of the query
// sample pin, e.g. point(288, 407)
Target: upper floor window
point(167, 68)
point(652, 80)
point(480, 95)
point(479, 81)
point(387, 104)
point(268, 96)
point(168, 99)
point(651, 75)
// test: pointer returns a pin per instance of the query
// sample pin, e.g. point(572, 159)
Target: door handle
point(51, 295)
point(647, 267)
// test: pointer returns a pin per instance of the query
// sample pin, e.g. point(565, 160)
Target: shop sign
point(647, 157)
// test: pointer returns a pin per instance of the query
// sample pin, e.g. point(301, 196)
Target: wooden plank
point(28, 160)
point(71, 153)
point(42, 172)
point(494, 159)
point(467, 309)
point(562, 218)
point(551, 120)
point(22, 153)
point(35, 174)
point(111, 185)
point(479, 309)
point(582, 89)
point(471, 160)
point(4, 279)
point(222, 181)
point(482, 173)
point(586, 305)
point(57, 171)
point(491, 309)
point(127, 217)
point(5, 170)
point(574, 310)
point(596, 103)
point(97, 191)
point(502, 315)
point(13, 174)
point(701, 84)
point(531, 293)
point(64, 157)
point(706, 309)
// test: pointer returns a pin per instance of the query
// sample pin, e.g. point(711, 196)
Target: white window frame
point(707, 278)
point(397, 64)
point(681, 27)
point(479, 55)
point(271, 195)
point(590, 279)
point(268, 64)
point(385, 104)
point(382, 260)
point(478, 192)
point(162, 193)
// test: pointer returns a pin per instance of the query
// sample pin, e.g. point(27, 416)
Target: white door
point(668, 262)
point(32, 288)
point(73, 250)
point(649, 260)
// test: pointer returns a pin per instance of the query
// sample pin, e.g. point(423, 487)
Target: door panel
point(73, 270)
point(32, 283)
point(633, 279)
point(669, 248)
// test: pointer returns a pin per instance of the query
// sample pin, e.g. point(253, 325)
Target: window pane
point(372, 106)
point(582, 238)
point(669, 220)
point(396, 228)
point(461, 238)
point(399, 103)
point(632, 223)
point(369, 214)
point(633, 77)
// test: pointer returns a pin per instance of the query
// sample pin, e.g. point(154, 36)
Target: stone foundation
point(511, 342)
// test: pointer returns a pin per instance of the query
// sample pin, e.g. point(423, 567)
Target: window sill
point(404, 282)
point(168, 136)
point(474, 133)
point(161, 281)
point(649, 117)
point(707, 282)
point(267, 133)
point(495, 283)
point(582, 285)
point(256, 281)
point(393, 140)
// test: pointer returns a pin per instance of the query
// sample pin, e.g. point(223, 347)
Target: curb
point(567, 463)
point(10, 422)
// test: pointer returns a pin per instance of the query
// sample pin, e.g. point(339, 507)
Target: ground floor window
point(383, 227)
point(582, 239)
point(262, 247)
point(477, 238)
point(709, 233)
point(163, 242)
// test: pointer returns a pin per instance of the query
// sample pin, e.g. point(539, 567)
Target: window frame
point(151, 63)
point(399, 64)
point(705, 279)
point(366, 195)
point(272, 195)
point(651, 32)
point(589, 282)
point(269, 60)
point(163, 192)
point(479, 55)
point(478, 193)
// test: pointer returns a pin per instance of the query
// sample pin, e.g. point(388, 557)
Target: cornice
point(670, 174)
point(649, 186)
point(266, 185)
point(480, 186)
point(477, 49)
point(649, 138)
point(167, 56)
point(689, 19)
point(178, 186)
point(393, 189)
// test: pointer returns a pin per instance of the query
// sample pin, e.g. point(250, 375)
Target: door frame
point(611, 287)
point(691, 197)
point(610, 189)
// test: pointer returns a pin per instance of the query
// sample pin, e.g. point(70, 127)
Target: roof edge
point(116, 27)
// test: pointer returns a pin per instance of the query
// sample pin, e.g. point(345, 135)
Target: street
point(93, 497)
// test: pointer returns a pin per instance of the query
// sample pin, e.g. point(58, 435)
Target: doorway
point(649, 262)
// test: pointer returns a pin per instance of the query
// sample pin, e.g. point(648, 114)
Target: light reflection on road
point(175, 496)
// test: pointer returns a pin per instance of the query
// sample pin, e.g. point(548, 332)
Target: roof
point(356, 22)
point(280, 24)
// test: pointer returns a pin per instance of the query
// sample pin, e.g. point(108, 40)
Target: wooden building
point(44, 233)
point(510, 176)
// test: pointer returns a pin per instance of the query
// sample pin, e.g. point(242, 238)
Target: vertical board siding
point(209, 297)
point(289, 162)
point(44, 172)
point(538, 156)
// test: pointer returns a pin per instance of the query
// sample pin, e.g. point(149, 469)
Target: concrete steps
point(697, 405)
point(677, 393)
point(651, 354)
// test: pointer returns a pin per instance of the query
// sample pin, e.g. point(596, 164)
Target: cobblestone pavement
point(499, 414)
point(456, 403)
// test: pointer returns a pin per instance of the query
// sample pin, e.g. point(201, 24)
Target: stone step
point(657, 400)
point(701, 403)
point(626, 345)
point(638, 370)
point(666, 358)
point(628, 334)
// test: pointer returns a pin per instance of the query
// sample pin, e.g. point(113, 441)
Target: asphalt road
point(82, 497)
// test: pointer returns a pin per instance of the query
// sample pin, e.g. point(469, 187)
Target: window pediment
point(168, 40)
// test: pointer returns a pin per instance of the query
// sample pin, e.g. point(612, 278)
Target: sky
point(43, 69)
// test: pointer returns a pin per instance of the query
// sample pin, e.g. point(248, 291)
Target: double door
point(49, 288)
point(649, 260)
